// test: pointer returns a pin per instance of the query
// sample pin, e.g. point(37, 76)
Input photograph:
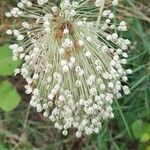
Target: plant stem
point(100, 13)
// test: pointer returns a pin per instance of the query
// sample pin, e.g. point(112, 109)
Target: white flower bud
point(78, 83)
point(35, 77)
point(8, 14)
point(54, 9)
point(65, 132)
point(9, 32)
point(115, 2)
point(66, 31)
point(65, 68)
point(50, 96)
point(88, 54)
point(20, 37)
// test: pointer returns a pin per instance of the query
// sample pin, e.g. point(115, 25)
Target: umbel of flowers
point(73, 61)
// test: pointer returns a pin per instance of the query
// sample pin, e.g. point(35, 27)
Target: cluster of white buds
point(122, 26)
point(72, 62)
point(67, 43)
point(16, 33)
point(98, 3)
point(42, 2)
point(115, 2)
point(47, 22)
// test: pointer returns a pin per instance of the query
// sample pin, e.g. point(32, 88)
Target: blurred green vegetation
point(25, 129)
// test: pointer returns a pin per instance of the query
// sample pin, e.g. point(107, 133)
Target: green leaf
point(145, 137)
point(140, 129)
point(2, 147)
point(148, 148)
point(7, 65)
point(137, 128)
point(9, 97)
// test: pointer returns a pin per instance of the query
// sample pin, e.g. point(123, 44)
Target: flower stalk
point(100, 13)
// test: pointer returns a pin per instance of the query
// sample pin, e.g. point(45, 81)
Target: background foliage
point(25, 129)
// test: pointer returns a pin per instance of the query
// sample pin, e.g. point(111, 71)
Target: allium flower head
point(73, 61)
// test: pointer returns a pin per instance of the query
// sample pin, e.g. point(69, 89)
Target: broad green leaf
point(9, 97)
point(137, 128)
point(140, 129)
point(145, 137)
point(7, 65)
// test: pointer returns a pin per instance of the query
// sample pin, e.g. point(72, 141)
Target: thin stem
point(124, 120)
point(100, 13)
point(24, 127)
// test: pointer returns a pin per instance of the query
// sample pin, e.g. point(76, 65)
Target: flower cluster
point(73, 61)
